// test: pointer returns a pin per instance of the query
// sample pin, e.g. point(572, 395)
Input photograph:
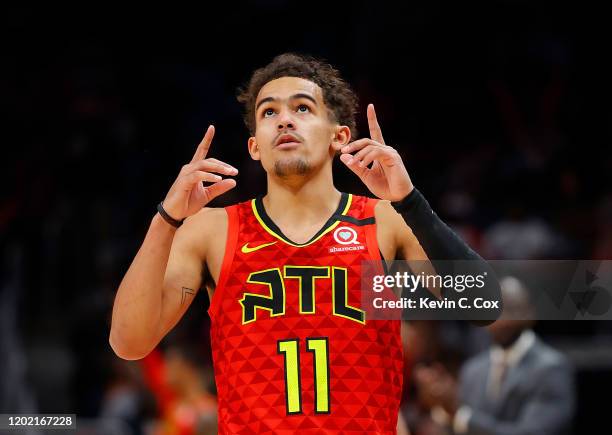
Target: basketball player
point(292, 349)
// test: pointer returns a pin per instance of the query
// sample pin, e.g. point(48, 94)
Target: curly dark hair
point(337, 94)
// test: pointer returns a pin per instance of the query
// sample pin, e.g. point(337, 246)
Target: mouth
point(287, 141)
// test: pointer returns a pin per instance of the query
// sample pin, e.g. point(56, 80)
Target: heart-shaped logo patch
point(345, 235)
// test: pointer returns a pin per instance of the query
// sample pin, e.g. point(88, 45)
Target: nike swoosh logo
point(246, 250)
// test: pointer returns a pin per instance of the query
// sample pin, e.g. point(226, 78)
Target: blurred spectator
point(528, 387)
point(125, 398)
point(425, 342)
point(181, 380)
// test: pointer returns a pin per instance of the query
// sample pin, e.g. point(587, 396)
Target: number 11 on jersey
point(319, 347)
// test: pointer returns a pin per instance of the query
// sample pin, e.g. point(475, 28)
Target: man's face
point(294, 134)
point(505, 331)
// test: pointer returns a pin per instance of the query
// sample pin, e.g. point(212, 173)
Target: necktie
point(499, 369)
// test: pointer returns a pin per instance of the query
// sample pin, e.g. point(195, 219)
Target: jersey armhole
point(228, 257)
point(370, 231)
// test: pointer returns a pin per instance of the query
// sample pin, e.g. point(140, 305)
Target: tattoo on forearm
point(186, 292)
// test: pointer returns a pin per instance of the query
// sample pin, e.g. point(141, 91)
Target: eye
point(303, 106)
point(268, 112)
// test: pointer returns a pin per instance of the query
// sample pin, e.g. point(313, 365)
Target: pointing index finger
point(375, 131)
point(203, 147)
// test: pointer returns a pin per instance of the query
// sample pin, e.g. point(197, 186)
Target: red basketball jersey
point(292, 350)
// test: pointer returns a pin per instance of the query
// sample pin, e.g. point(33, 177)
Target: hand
point(387, 178)
point(188, 195)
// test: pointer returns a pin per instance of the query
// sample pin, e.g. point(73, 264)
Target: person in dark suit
point(519, 386)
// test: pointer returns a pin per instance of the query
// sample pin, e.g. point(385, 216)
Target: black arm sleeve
point(450, 255)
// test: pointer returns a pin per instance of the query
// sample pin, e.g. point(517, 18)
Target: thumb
point(337, 146)
point(353, 164)
point(219, 188)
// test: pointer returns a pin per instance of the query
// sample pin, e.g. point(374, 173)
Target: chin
point(291, 166)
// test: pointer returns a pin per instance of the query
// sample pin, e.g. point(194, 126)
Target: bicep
point(182, 280)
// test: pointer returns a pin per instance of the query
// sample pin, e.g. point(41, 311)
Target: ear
point(341, 137)
point(253, 148)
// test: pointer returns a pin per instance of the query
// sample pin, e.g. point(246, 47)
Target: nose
point(285, 121)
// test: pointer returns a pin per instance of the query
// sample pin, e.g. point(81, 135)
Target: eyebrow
point(293, 97)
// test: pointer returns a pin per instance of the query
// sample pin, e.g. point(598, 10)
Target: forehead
point(285, 87)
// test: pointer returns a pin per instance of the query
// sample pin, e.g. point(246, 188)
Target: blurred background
point(500, 109)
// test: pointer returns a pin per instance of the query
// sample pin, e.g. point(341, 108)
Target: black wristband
point(175, 223)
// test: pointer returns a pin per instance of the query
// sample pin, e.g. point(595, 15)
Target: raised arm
point(148, 302)
point(420, 232)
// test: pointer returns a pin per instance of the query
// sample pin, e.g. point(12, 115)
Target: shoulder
point(209, 214)
point(393, 223)
point(548, 357)
point(552, 369)
point(206, 219)
point(385, 213)
point(205, 226)
point(395, 238)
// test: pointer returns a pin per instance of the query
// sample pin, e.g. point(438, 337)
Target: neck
point(301, 199)
point(511, 340)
